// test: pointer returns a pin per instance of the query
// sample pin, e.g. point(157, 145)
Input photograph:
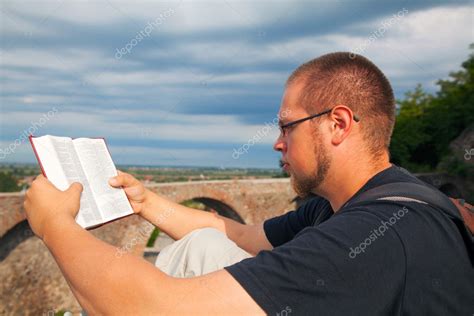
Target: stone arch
point(13, 237)
point(220, 207)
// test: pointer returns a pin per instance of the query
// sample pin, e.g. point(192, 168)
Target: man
point(325, 258)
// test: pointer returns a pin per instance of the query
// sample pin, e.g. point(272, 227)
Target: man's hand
point(467, 213)
point(134, 189)
point(47, 206)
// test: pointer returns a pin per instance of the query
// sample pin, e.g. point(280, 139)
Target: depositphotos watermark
point(284, 312)
point(127, 49)
point(384, 26)
point(144, 234)
point(376, 233)
point(469, 153)
point(32, 129)
point(258, 136)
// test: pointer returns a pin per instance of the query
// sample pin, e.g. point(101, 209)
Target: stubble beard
point(305, 185)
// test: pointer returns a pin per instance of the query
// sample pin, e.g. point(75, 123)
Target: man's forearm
point(106, 284)
point(178, 220)
point(102, 282)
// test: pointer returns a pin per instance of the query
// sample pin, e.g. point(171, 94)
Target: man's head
point(315, 149)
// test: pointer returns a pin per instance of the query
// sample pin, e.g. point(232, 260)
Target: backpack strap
point(409, 192)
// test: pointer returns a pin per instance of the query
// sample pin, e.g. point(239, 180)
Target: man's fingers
point(40, 178)
point(469, 207)
point(465, 209)
point(123, 179)
point(76, 187)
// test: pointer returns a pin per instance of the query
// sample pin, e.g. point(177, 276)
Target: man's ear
point(342, 123)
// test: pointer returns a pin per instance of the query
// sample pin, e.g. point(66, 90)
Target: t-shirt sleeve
point(284, 228)
point(340, 267)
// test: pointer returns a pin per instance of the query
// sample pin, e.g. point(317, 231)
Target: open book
point(64, 160)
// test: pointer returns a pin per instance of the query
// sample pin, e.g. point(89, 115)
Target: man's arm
point(127, 285)
point(178, 220)
point(106, 284)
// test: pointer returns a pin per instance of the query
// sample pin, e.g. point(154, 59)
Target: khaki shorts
point(199, 252)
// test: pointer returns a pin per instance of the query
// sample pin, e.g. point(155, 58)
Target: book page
point(89, 213)
point(62, 167)
point(99, 168)
point(49, 161)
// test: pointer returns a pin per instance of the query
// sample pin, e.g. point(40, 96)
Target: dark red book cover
point(30, 137)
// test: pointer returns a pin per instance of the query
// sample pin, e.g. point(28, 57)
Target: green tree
point(8, 183)
point(426, 124)
point(409, 133)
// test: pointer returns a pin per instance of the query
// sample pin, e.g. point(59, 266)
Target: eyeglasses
point(284, 127)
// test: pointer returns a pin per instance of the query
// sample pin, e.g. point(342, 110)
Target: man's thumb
point(75, 188)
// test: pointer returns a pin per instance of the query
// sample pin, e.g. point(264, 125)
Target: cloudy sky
point(186, 83)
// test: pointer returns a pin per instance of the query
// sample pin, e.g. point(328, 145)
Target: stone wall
point(32, 283)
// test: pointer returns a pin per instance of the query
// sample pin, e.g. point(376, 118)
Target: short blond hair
point(354, 81)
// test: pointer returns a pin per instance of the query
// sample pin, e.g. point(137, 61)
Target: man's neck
point(343, 183)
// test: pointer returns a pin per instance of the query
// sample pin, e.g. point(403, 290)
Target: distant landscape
point(433, 133)
point(18, 177)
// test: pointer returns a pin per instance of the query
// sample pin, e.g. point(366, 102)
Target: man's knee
point(199, 252)
point(208, 241)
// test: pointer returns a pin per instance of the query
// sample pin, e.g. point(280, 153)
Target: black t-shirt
point(380, 259)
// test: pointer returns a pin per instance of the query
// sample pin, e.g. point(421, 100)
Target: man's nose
point(279, 145)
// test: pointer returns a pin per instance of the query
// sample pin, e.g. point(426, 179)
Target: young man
point(325, 258)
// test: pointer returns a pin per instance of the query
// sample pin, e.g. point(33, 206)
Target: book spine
point(37, 156)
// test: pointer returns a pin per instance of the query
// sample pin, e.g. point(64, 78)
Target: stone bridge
point(31, 281)
point(33, 284)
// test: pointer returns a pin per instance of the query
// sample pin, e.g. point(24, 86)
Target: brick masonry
point(31, 280)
